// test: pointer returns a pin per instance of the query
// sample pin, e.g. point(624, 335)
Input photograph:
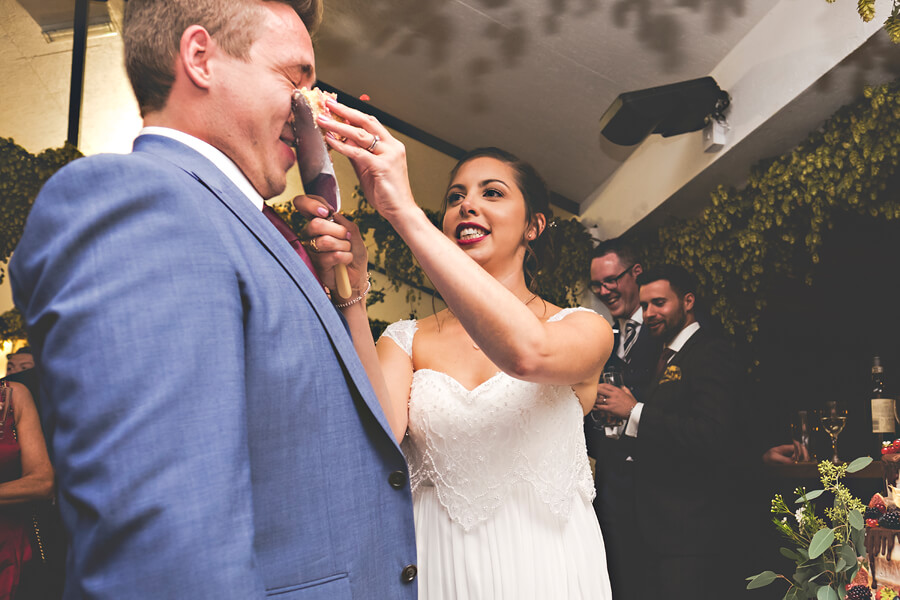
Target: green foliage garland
point(388, 251)
point(12, 326)
point(21, 176)
point(563, 276)
point(747, 240)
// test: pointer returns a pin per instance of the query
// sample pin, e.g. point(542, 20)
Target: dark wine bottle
point(882, 407)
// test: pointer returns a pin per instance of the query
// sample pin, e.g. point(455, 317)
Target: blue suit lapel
point(201, 169)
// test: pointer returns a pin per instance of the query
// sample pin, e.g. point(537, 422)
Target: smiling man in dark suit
point(614, 272)
point(684, 430)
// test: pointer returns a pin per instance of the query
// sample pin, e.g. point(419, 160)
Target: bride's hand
point(378, 158)
point(330, 243)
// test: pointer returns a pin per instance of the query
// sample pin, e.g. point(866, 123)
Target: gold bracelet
point(358, 298)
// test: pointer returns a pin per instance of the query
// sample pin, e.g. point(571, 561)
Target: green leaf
point(761, 580)
point(858, 537)
point(826, 593)
point(803, 575)
point(859, 464)
point(828, 568)
point(856, 519)
point(810, 496)
point(787, 553)
point(821, 541)
point(848, 554)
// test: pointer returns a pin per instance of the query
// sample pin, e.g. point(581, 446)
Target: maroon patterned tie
point(289, 235)
point(667, 353)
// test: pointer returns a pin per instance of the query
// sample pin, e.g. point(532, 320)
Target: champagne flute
point(833, 421)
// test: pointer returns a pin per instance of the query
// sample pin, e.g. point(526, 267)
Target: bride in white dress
point(487, 396)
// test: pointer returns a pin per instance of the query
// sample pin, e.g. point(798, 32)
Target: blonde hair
point(152, 32)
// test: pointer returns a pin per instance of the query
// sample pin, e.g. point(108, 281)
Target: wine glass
point(612, 376)
point(803, 429)
point(833, 421)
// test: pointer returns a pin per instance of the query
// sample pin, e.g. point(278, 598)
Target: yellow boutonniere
point(673, 373)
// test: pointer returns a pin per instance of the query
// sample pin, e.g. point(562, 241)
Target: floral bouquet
point(830, 553)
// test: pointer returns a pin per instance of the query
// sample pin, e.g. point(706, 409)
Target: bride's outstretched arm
point(571, 350)
point(389, 369)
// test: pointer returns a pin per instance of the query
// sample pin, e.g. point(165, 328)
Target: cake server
point(317, 170)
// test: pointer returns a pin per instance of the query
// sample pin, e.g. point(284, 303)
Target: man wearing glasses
point(614, 271)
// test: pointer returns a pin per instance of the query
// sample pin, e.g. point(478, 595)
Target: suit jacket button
point(397, 479)
point(409, 573)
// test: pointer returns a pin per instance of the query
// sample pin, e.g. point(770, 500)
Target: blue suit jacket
point(214, 433)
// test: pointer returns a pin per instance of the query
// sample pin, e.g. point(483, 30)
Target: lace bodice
point(475, 446)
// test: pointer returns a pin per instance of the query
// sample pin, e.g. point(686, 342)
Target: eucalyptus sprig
point(828, 552)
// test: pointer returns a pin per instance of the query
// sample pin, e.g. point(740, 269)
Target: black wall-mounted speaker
point(668, 110)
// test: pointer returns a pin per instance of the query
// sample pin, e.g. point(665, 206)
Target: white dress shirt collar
point(683, 336)
point(215, 156)
point(637, 317)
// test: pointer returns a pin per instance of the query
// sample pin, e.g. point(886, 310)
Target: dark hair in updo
point(537, 202)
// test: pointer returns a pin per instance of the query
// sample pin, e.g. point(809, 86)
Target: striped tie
point(630, 336)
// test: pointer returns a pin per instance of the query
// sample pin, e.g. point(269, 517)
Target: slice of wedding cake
point(883, 540)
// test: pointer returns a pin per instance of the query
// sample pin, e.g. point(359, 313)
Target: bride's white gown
point(501, 488)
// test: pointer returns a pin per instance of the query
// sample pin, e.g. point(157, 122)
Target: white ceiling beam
point(794, 45)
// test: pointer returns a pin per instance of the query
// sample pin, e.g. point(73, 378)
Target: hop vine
point(866, 10)
point(747, 239)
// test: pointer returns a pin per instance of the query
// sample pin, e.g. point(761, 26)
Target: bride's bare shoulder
point(431, 325)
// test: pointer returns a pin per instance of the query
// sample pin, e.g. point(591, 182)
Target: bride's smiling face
point(485, 211)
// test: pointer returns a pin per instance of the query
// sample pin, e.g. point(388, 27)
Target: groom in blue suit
point(214, 433)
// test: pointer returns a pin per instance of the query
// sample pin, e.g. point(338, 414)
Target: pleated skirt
point(522, 552)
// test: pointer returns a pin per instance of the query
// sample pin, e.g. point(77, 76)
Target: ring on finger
point(603, 400)
point(375, 141)
point(310, 244)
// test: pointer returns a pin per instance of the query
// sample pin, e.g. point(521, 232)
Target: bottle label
point(883, 415)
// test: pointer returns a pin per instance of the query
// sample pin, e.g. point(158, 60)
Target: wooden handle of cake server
point(343, 282)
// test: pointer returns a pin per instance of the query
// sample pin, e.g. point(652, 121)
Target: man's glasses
point(609, 283)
